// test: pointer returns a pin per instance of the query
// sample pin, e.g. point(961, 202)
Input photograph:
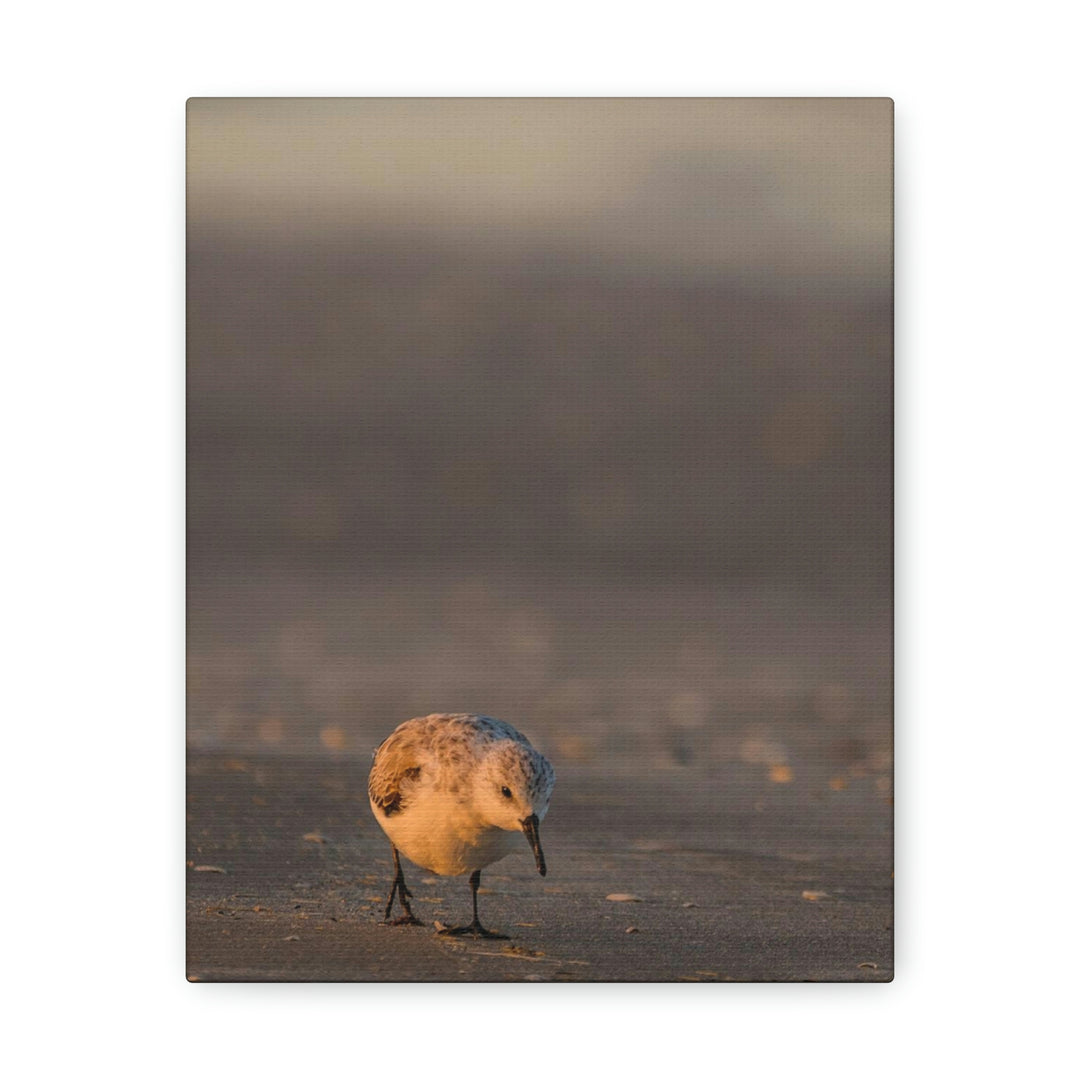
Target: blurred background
point(573, 412)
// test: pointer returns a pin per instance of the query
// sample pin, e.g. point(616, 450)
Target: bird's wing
point(394, 773)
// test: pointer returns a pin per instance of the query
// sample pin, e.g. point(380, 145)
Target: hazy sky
point(758, 186)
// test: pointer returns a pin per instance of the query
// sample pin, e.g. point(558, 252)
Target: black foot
point(404, 920)
point(475, 929)
point(402, 891)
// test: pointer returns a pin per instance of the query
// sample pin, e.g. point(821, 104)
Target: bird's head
point(513, 789)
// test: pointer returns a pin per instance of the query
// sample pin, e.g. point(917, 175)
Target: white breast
point(437, 832)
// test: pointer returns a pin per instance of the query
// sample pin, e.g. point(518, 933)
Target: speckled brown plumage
point(452, 791)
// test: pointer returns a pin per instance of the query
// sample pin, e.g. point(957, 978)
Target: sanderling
point(450, 791)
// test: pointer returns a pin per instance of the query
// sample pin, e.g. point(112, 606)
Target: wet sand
point(737, 878)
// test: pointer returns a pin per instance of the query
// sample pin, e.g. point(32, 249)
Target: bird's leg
point(402, 890)
point(474, 927)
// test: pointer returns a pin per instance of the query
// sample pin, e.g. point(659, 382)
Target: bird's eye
point(508, 793)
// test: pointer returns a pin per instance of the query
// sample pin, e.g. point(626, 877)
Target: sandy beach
point(734, 877)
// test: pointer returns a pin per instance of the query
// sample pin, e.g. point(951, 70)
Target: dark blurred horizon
point(580, 411)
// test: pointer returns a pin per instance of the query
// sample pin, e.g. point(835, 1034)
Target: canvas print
point(539, 540)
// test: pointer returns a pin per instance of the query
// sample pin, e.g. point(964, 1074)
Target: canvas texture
point(563, 427)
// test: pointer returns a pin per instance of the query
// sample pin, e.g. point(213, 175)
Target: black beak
point(531, 828)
